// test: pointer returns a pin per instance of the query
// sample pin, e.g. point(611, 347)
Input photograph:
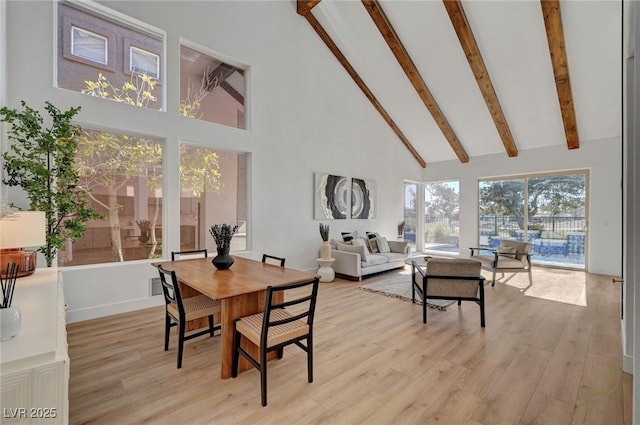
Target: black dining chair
point(191, 252)
point(266, 257)
point(278, 327)
point(179, 311)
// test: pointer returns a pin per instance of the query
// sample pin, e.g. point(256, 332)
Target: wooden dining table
point(241, 290)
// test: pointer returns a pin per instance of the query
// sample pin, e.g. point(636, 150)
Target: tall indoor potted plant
point(40, 160)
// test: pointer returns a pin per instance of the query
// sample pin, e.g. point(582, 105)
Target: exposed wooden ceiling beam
point(304, 6)
point(397, 48)
point(474, 57)
point(324, 36)
point(555, 38)
point(219, 75)
point(232, 92)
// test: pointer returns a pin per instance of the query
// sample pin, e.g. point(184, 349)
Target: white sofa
point(353, 262)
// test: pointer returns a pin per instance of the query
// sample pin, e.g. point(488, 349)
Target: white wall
point(306, 116)
point(601, 158)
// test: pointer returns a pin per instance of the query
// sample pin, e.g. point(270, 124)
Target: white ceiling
point(512, 40)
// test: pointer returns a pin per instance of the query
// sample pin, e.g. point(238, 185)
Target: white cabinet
point(34, 365)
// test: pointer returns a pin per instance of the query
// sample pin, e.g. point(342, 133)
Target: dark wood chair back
point(178, 254)
point(266, 257)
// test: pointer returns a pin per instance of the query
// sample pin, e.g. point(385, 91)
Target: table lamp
point(19, 230)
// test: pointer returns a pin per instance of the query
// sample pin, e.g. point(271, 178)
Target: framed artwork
point(331, 196)
point(363, 198)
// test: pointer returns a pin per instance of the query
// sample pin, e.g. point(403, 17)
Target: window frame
point(68, 22)
point(133, 48)
point(242, 117)
point(95, 35)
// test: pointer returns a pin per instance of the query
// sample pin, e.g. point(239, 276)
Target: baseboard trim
point(96, 312)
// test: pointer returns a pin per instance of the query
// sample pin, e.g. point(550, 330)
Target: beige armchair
point(448, 279)
point(508, 257)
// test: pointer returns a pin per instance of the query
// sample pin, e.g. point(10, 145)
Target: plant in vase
point(222, 235)
point(325, 248)
point(401, 229)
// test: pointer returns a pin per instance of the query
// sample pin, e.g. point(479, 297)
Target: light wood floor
point(536, 362)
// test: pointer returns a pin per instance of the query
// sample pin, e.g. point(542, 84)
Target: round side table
point(326, 272)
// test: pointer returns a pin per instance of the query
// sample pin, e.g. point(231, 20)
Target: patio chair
point(508, 257)
point(456, 279)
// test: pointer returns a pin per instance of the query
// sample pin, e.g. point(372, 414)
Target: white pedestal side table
point(326, 272)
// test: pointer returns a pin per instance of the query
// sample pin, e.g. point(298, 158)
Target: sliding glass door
point(553, 207)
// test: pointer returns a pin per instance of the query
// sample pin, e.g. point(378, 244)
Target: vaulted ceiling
point(461, 79)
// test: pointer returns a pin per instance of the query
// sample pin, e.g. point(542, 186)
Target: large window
point(441, 215)
point(102, 57)
point(548, 211)
point(436, 228)
point(211, 89)
point(212, 191)
point(123, 176)
point(410, 213)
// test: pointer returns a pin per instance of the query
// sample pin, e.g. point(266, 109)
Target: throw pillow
point(506, 251)
point(383, 245)
point(348, 236)
point(373, 243)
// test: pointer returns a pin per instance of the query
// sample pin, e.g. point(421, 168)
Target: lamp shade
point(23, 229)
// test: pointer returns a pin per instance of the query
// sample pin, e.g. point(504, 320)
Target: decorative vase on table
point(10, 316)
point(222, 234)
point(325, 250)
point(223, 260)
point(10, 322)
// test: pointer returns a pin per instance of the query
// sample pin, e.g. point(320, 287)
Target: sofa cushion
point(361, 242)
point(395, 256)
point(383, 245)
point(503, 262)
point(362, 250)
point(375, 259)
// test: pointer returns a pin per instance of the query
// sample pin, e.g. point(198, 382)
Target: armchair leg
point(493, 281)
point(424, 304)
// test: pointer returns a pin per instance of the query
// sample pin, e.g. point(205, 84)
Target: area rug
point(399, 286)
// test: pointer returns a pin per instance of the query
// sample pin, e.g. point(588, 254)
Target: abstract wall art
point(331, 196)
point(363, 198)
